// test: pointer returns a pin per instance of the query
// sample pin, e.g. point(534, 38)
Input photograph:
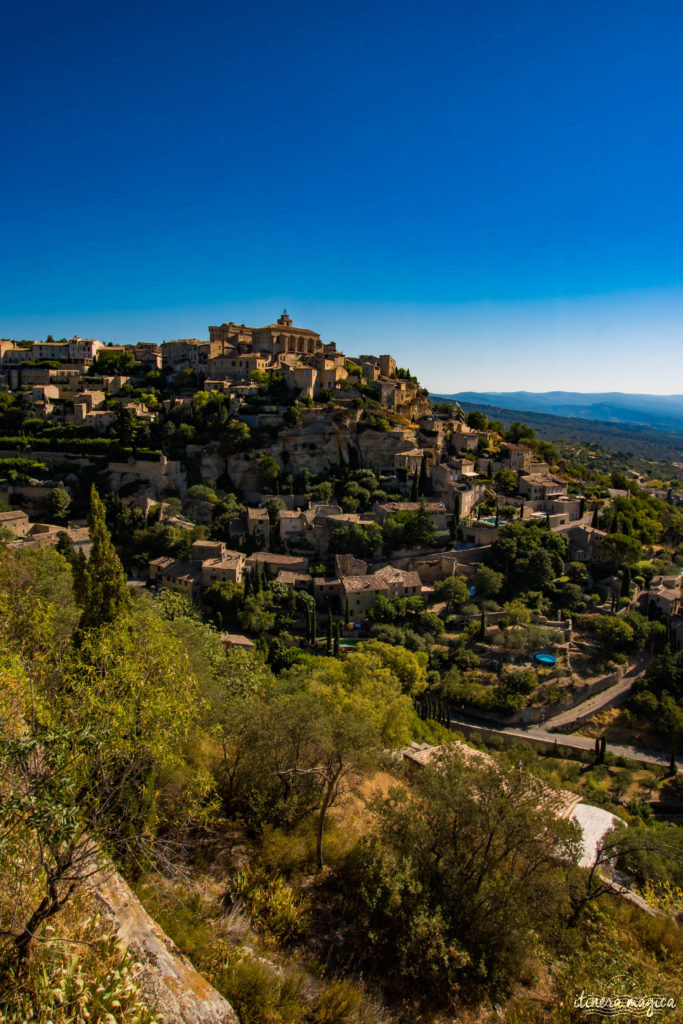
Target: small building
point(229, 568)
point(273, 564)
point(230, 640)
point(258, 526)
point(665, 594)
point(17, 522)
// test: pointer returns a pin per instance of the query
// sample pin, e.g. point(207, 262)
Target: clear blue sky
point(493, 191)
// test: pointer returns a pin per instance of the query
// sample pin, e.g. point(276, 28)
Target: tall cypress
point(336, 640)
point(414, 489)
point(101, 589)
point(482, 627)
point(424, 479)
point(328, 645)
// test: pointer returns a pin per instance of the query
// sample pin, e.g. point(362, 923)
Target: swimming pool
point(545, 659)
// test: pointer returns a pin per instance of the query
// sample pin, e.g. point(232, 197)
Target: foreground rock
point(167, 978)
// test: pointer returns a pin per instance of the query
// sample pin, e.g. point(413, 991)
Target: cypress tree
point(347, 616)
point(424, 479)
point(247, 585)
point(101, 589)
point(335, 650)
point(597, 750)
point(482, 627)
point(453, 527)
point(603, 748)
point(489, 470)
point(626, 582)
point(595, 522)
point(673, 768)
point(328, 645)
point(414, 488)
point(307, 627)
point(314, 626)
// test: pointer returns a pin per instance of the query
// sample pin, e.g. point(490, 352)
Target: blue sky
point(491, 191)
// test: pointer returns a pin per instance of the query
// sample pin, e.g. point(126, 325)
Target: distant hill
point(644, 442)
point(663, 412)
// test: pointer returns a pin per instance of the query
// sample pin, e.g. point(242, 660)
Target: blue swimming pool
point(545, 659)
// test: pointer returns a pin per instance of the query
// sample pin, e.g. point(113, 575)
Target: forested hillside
point(268, 821)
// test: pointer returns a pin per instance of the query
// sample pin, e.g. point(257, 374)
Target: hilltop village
point(308, 654)
point(264, 453)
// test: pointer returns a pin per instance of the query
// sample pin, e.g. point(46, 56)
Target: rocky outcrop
point(166, 979)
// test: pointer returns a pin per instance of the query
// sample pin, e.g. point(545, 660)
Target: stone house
point(361, 592)
point(171, 572)
point(541, 487)
point(665, 594)
point(437, 510)
point(16, 522)
point(272, 564)
point(258, 526)
point(230, 568)
point(584, 543)
point(518, 456)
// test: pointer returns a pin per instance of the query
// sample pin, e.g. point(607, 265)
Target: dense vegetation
point(124, 722)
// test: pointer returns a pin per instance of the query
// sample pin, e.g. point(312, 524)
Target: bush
point(270, 902)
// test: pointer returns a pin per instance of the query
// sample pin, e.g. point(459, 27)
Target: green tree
point(269, 471)
point(453, 590)
point(487, 583)
point(461, 873)
point(619, 548)
point(359, 540)
point(101, 589)
point(505, 481)
point(59, 503)
point(273, 507)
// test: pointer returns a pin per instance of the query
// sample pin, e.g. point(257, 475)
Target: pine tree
point(101, 590)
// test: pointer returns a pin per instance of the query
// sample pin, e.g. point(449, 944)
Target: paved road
point(575, 742)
